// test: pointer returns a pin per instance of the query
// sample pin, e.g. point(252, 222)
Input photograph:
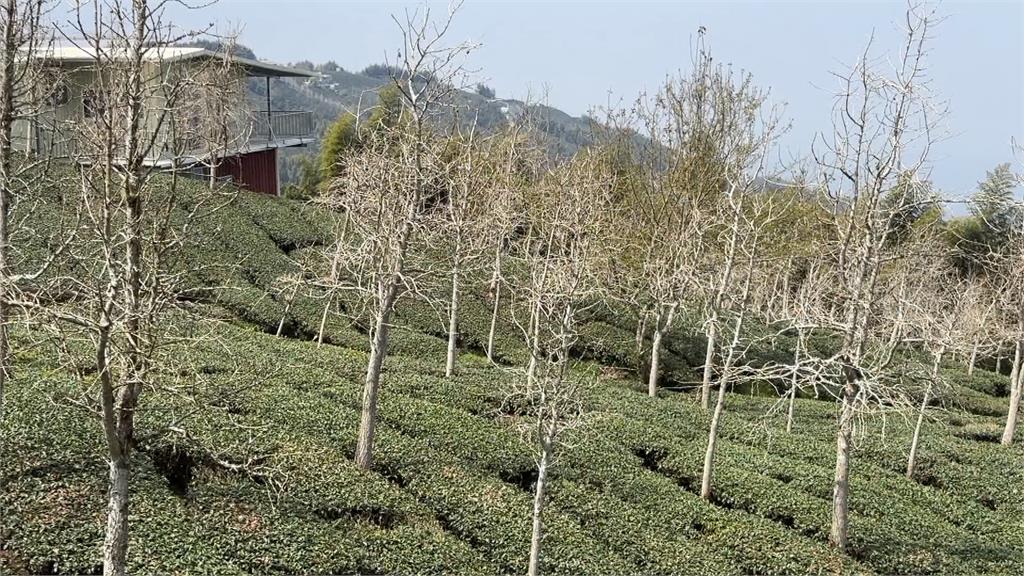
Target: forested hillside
point(337, 90)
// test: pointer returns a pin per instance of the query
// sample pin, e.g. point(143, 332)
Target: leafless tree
point(883, 130)
point(1009, 276)
point(390, 184)
point(563, 257)
point(22, 78)
point(132, 275)
point(212, 124)
point(745, 239)
point(504, 209)
point(701, 130)
point(478, 216)
point(937, 303)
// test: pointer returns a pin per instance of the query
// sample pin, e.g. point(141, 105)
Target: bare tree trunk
point(727, 369)
point(709, 454)
point(973, 359)
point(795, 380)
point(841, 483)
point(912, 459)
point(115, 544)
point(284, 315)
point(641, 329)
point(709, 361)
point(494, 323)
point(1015, 393)
point(915, 440)
point(453, 324)
point(496, 292)
point(661, 325)
point(371, 390)
point(538, 507)
point(332, 279)
point(652, 377)
point(999, 363)
point(531, 369)
point(323, 320)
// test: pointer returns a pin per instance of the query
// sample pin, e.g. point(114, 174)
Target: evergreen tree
point(994, 202)
point(341, 136)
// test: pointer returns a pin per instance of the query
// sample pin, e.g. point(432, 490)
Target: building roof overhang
point(76, 55)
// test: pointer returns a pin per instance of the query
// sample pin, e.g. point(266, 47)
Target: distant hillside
point(338, 90)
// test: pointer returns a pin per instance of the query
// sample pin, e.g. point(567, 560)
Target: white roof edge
point(75, 54)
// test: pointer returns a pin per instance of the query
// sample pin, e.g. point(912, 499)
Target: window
point(94, 103)
point(59, 94)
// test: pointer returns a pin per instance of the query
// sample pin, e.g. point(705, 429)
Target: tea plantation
point(243, 462)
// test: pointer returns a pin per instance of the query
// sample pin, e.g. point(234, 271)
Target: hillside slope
point(337, 91)
point(244, 454)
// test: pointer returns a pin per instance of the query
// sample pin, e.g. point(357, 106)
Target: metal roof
point(80, 55)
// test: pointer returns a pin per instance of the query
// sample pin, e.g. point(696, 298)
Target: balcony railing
point(282, 124)
point(57, 139)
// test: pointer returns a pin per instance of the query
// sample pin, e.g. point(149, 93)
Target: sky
point(586, 54)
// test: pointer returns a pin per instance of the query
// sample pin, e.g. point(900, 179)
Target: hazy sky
point(585, 54)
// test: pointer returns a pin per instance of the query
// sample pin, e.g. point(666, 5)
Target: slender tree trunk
point(709, 361)
point(453, 324)
point(709, 454)
point(496, 295)
point(999, 363)
point(323, 320)
point(727, 369)
point(841, 483)
point(115, 544)
point(652, 377)
point(915, 440)
point(641, 329)
point(332, 279)
point(494, 322)
point(912, 459)
point(1015, 393)
point(284, 315)
point(973, 360)
point(661, 325)
point(795, 380)
point(538, 507)
point(531, 369)
point(371, 389)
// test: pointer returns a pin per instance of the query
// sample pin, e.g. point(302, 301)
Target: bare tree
point(22, 77)
point(388, 187)
point(937, 303)
point(477, 216)
point(1010, 278)
point(883, 129)
point(133, 274)
point(212, 125)
point(563, 259)
point(745, 240)
point(504, 210)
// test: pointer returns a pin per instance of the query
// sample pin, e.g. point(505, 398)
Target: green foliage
point(339, 138)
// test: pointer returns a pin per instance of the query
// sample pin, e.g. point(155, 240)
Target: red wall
point(255, 171)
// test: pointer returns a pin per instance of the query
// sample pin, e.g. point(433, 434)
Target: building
point(250, 157)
